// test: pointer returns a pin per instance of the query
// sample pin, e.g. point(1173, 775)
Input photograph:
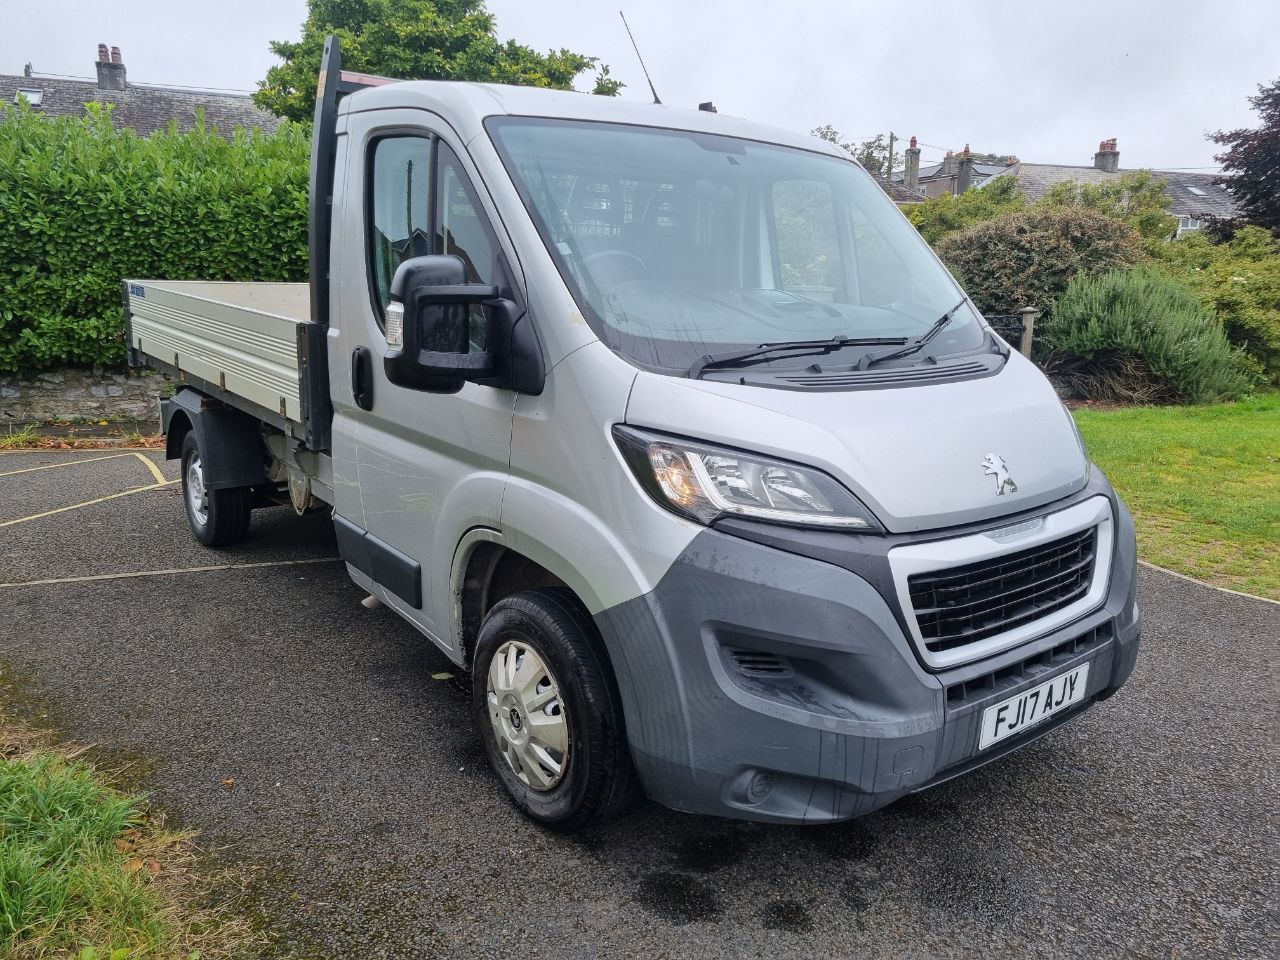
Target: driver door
point(431, 466)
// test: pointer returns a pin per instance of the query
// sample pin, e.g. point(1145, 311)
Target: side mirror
point(428, 325)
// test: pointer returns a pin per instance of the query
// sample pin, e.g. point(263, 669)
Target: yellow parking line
point(151, 465)
point(88, 503)
point(69, 463)
point(167, 573)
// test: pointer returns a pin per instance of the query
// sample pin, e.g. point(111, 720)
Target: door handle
point(362, 377)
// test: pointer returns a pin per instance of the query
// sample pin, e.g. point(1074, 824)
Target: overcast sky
point(1043, 79)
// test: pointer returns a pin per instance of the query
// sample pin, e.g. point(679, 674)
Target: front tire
point(548, 711)
point(218, 518)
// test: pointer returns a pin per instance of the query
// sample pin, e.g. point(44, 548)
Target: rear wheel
point(220, 517)
point(548, 711)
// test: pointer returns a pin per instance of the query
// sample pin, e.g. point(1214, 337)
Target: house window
point(1197, 191)
point(33, 97)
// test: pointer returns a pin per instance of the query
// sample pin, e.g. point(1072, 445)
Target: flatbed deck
point(254, 342)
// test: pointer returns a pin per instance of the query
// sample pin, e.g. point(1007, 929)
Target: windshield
point(679, 244)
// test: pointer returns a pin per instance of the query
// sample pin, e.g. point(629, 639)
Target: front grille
point(961, 605)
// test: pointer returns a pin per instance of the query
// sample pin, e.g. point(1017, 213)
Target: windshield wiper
point(871, 359)
point(762, 352)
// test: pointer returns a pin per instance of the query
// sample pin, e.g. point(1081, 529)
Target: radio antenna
point(636, 47)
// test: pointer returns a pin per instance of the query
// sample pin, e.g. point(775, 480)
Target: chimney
point(27, 71)
point(948, 165)
point(1108, 157)
point(964, 171)
point(111, 74)
point(911, 173)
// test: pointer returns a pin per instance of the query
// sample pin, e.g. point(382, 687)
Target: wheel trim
point(528, 716)
point(197, 495)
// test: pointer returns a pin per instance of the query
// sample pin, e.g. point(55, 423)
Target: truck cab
point(670, 430)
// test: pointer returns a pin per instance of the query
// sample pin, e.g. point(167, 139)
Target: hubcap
point(528, 715)
point(197, 495)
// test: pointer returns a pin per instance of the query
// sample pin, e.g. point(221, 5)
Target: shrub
point(83, 205)
point(938, 217)
point(1137, 197)
point(1239, 281)
point(1137, 335)
point(1027, 258)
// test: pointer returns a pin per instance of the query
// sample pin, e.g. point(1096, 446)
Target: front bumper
point(770, 681)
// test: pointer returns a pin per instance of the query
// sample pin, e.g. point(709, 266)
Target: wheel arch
point(230, 442)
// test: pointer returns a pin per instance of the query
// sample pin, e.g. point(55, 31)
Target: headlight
point(703, 482)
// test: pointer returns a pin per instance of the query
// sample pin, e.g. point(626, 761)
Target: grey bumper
point(774, 680)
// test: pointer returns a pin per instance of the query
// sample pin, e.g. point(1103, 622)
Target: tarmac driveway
point(307, 739)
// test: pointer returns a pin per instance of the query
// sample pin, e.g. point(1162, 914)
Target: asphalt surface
point(306, 738)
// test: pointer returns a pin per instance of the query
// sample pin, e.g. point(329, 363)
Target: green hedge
point(83, 205)
point(1136, 335)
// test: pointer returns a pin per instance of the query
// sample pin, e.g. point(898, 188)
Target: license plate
point(1011, 717)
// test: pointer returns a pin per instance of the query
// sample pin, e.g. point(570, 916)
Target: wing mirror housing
point(428, 325)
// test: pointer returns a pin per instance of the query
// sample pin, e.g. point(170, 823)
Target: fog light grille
point(753, 663)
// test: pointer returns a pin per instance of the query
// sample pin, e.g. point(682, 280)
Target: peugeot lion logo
point(996, 467)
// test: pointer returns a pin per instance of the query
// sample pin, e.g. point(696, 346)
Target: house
point(1193, 197)
point(144, 108)
point(955, 174)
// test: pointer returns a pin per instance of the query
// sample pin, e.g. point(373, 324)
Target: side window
point(399, 228)
point(461, 230)
point(809, 260)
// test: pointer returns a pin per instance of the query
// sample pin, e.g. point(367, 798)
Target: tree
point(1252, 161)
point(413, 40)
point(872, 154)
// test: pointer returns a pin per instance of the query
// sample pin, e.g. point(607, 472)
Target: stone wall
point(74, 394)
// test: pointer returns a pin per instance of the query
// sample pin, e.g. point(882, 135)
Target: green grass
point(1203, 484)
point(13, 439)
point(88, 873)
point(64, 884)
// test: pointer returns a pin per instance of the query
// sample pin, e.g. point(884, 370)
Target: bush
point(1027, 258)
point(83, 206)
point(938, 217)
point(1239, 281)
point(1136, 335)
point(1137, 197)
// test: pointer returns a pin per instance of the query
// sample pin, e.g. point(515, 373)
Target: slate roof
point(897, 192)
point(1212, 200)
point(140, 107)
point(979, 170)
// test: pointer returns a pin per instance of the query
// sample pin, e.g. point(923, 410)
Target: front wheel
point(218, 518)
point(548, 711)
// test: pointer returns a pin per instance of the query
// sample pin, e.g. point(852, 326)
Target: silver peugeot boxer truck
point(673, 433)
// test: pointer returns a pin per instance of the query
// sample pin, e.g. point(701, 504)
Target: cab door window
point(414, 212)
point(400, 225)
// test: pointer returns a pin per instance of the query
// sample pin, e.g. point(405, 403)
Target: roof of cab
point(466, 105)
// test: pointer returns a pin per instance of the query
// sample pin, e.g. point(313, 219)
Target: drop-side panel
point(244, 337)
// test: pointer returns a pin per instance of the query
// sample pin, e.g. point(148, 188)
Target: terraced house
point(142, 107)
